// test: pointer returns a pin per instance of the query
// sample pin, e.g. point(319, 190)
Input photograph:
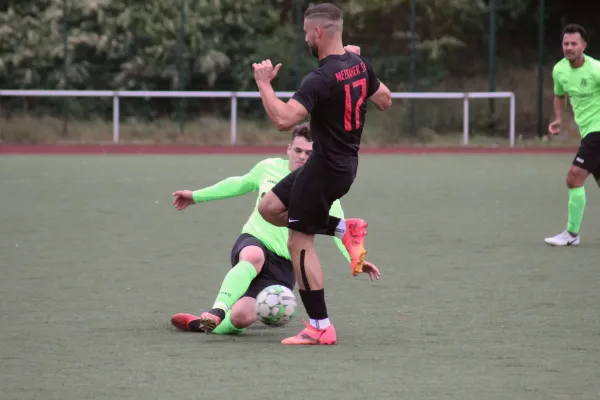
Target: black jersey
point(335, 95)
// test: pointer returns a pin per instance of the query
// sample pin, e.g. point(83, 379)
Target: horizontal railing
point(116, 95)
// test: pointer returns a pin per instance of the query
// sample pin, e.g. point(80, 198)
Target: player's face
point(312, 36)
point(573, 46)
point(298, 152)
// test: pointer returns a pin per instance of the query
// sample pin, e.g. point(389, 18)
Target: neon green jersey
point(582, 85)
point(261, 178)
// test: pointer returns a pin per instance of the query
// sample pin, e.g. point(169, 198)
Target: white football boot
point(563, 239)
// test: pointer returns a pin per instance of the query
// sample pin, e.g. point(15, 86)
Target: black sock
point(314, 303)
point(194, 326)
point(218, 312)
point(330, 226)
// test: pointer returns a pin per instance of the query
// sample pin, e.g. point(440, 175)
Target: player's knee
point(576, 177)
point(243, 313)
point(299, 241)
point(271, 204)
point(263, 208)
point(254, 255)
point(266, 204)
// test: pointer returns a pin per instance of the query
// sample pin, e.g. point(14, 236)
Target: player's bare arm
point(352, 49)
point(382, 98)
point(559, 106)
point(284, 115)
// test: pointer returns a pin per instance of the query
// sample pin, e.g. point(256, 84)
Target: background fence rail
point(116, 95)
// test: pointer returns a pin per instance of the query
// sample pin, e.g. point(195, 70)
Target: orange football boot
point(354, 241)
point(313, 336)
point(186, 322)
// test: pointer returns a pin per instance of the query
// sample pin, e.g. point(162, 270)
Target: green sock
point(576, 206)
point(234, 285)
point(227, 328)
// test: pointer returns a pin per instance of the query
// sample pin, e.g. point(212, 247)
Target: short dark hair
point(302, 130)
point(575, 28)
point(324, 10)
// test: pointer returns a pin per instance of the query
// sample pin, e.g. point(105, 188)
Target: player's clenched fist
point(352, 49)
point(182, 199)
point(264, 71)
point(554, 127)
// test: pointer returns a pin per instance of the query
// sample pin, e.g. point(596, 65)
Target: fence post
point(466, 119)
point(65, 27)
point(299, 40)
point(493, 9)
point(116, 118)
point(233, 118)
point(512, 120)
point(413, 47)
point(541, 49)
point(181, 67)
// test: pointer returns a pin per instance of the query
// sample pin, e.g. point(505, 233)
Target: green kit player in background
point(577, 75)
point(260, 256)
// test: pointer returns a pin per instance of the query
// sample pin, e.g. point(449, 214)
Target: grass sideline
point(211, 131)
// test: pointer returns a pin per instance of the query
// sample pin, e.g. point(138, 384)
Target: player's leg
point(276, 271)
point(586, 161)
point(576, 177)
point(308, 212)
point(243, 312)
point(248, 264)
point(272, 209)
point(273, 206)
point(596, 175)
point(309, 274)
point(352, 231)
point(247, 260)
point(241, 316)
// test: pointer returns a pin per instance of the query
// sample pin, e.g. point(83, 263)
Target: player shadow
point(585, 245)
point(257, 333)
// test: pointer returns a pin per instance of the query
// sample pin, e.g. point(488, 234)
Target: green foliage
point(141, 45)
point(211, 45)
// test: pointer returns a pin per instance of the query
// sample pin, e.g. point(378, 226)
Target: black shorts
point(275, 271)
point(588, 155)
point(309, 192)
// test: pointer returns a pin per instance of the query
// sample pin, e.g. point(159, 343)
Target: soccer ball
point(275, 305)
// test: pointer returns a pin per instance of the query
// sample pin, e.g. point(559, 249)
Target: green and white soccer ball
point(275, 305)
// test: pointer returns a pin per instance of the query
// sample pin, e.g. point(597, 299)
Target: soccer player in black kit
point(335, 96)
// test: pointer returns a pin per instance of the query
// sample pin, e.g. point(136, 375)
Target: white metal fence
point(116, 95)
